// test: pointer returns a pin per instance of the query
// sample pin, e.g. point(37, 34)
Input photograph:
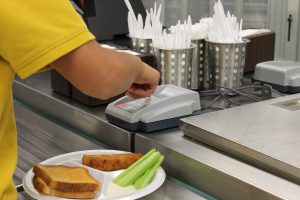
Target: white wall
point(279, 12)
point(270, 14)
point(174, 10)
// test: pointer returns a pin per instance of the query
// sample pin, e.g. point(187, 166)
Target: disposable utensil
point(224, 28)
point(139, 28)
point(130, 10)
point(180, 38)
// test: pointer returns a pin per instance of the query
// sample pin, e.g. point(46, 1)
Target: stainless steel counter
point(40, 139)
point(203, 168)
point(264, 133)
point(36, 93)
point(216, 173)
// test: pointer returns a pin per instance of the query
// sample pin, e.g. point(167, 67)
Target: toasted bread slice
point(110, 162)
point(67, 179)
point(43, 188)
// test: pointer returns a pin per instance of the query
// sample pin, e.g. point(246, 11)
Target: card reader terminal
point(162, 110)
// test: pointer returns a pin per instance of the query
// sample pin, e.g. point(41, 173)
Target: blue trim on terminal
point(281, 88)
point(147, 127)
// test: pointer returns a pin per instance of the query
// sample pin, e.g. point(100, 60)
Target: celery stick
point(134, 165)
point(148, 175)
point(140, 180)
point(136, 172)
point(130, 177)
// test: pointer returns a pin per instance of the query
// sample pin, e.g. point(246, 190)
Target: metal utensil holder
point(199, 68)
point(142, 45)
point(226, 63)
point(175, 65)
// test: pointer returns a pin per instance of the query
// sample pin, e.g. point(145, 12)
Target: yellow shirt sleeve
point(35, 33)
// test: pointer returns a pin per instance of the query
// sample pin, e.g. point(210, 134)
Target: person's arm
point(104, 73)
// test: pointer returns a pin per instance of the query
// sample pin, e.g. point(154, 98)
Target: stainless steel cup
point(199, 68)
point(175, 65)
point(142, 45)
point(226, 63)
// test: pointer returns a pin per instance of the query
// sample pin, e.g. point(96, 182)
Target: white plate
point(108, 190)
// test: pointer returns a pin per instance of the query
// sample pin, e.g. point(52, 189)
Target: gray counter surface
point(216, 173)
point(202, 167)
point(36, 92)
point(40, 139)
point(261, 133)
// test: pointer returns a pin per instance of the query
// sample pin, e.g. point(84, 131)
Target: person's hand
point(105, 73)
point(145, 83)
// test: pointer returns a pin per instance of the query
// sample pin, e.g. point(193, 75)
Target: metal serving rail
point(214, 172)
point(201, 167)
point(36, 93)
point(40, 139)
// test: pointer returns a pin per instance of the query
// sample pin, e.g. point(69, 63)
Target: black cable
point(223, 92)
point(252, 93)
point(225, 97)
point(236, 91)
point(212, 102)
point(247, 87)
point(208, 93)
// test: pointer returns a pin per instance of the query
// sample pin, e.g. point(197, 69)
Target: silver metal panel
point(262, 133)
point(198, 165)
point(36, 92)
point(170, 190)
point(40, 139)
point(212, 171)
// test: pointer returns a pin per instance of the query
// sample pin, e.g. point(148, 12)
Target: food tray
point(108, 190)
